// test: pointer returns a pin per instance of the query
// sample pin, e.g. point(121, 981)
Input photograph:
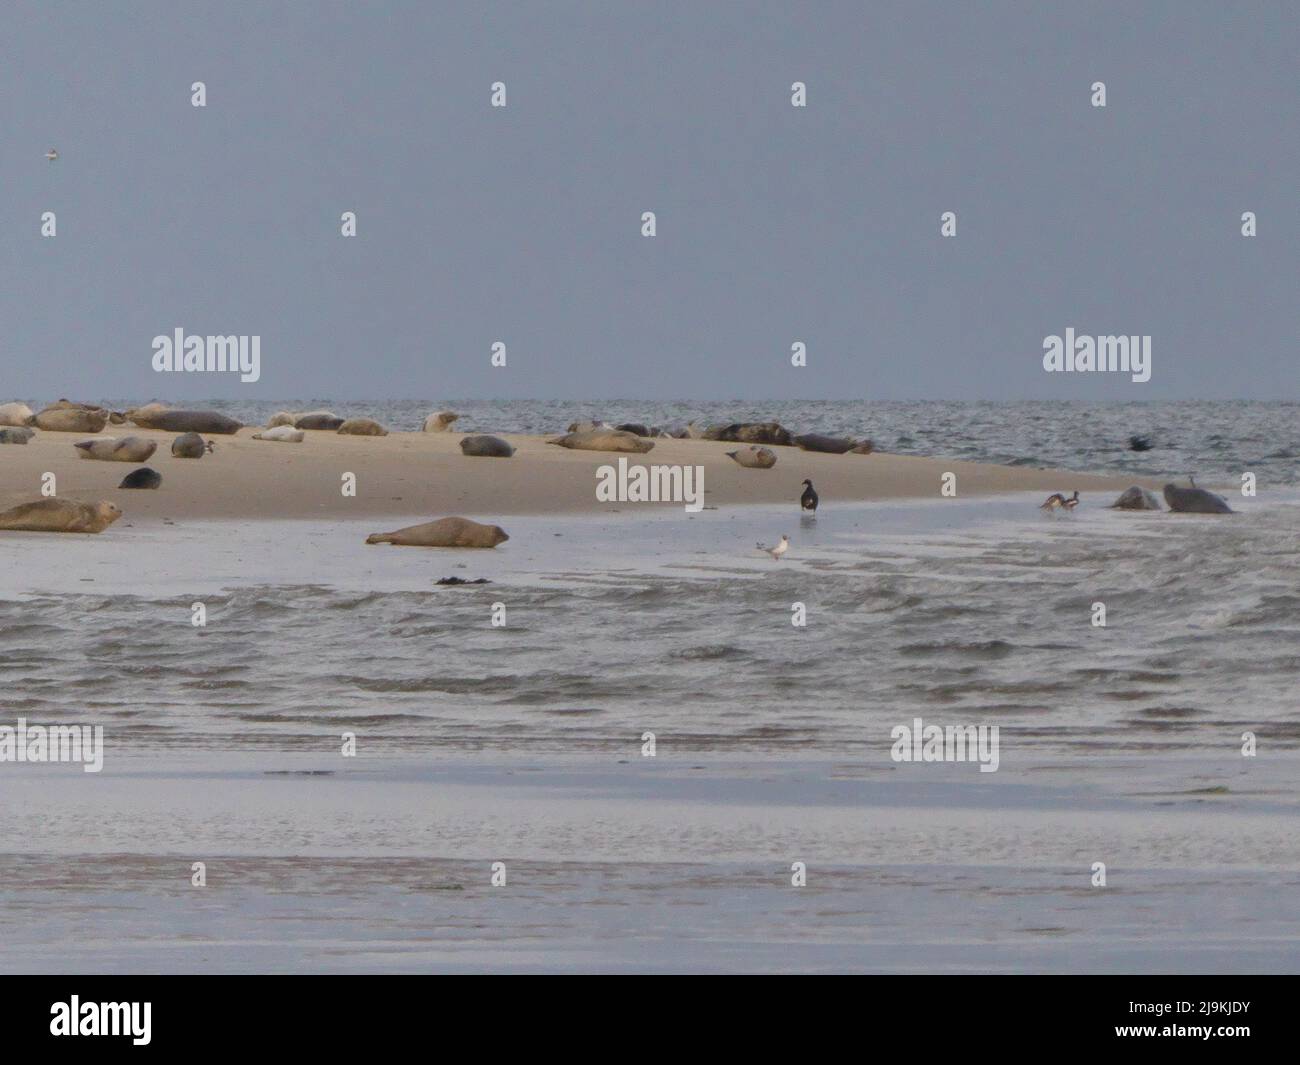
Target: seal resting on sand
point(829, 445)
point(71, 420)
point(1195, 500)
point(17, 414)
point(751, 433)
point(754, 457)
point(155, 416)
point(1136, 498)
point(362, 427)
point(60, 515)
point(439, 422)
point(588, 426)
point(605, 440)
point(445, 532)
point(318, 419)
point(190, 446)
point(144, 477)
point(111, 449)
point(281, 417)
point(15, 435)
point(286, 434)
point(488, 446)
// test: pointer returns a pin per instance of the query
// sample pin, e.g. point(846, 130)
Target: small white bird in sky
point(777, 551)
point(52, 154)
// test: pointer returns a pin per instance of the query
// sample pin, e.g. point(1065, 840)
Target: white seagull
point(777, 551)
point(52, 154)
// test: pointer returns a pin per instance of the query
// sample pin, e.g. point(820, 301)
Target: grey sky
point(775, 224)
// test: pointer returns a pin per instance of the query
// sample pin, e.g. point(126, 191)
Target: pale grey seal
point(1136, 498)
point(60, 515)
point(111, 449)
point(445, 532)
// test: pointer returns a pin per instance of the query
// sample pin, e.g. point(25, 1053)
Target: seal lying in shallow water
point(285, 434)
point(155, 416)
point(605, 440)
point(439, 422)
point(487, 446)
point(144, 477)
point(190, 446)
point(15, 435)
point(1195, 500)
point(362, 427)
point(111, 449)
point(445, 532)
point(60, 515)
point(17, 414)
point(71, 420)
point(1136, 498)
point(754, 457)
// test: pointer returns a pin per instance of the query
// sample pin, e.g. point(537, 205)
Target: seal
point(71, 420)
point(445, 532)
point(156, 416)
point(605, 440)
point(283, 433)
point(588, 426)
point(60, 515)
point(487, 446)
point(1195, 500)
point(319, 419)
point(864, 448)
point(439, 422)
point(637, 429)
point(282, 417)
point(190, 446)
point(751, 433)
point(144, 477)
point(1136, 498)
point(17, 415)
point(15, 435)
point(362, 427)
point(754, 457)
point(111, 449)
point(828, 445)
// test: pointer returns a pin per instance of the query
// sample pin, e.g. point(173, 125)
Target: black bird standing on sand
point(809, 498)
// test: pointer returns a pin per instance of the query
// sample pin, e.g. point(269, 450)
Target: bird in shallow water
point(1056, 500)
point(777, 551)
point(809, 498)
point(52, 154)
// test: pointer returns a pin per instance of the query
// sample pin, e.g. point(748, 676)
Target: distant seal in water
point(1136, 498)
point(15, 435)
point(286, 434)
point(488, 446)
point(282, 417)
point(111, 449)
point(71, 420)
point(190, 446)
point(17, 415)
point(144, 477)
point(439, 422)
point(751, 433)
point(60, 515)
point(362, 427)
point(605, 440)
point(829, 445)
point(1195, 500)
point(319, 419)
point(754, 457)
point(184, 421)
point(445, 532)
